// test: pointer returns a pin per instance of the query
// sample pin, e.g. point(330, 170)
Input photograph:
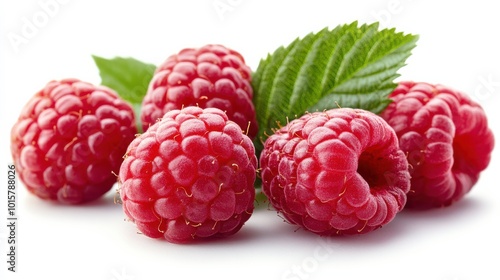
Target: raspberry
point(189, 176)
point(209, 77)
point(336, 172)
point(69, 139)
point(446, 138)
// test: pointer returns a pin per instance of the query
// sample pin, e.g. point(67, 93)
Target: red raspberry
point(446, 138)
point(336, 172)
point(189, 176)
point(210, 77)
point(70, 138)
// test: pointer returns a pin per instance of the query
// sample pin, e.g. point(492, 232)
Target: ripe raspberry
point(189, 176)
point(336, 172)
point(69, 139)
point(210, 77)
point(446, 138)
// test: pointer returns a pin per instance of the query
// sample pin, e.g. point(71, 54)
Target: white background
point(458, 47)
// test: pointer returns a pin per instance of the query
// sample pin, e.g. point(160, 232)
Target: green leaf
point(349, 66)
point(129, 77)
